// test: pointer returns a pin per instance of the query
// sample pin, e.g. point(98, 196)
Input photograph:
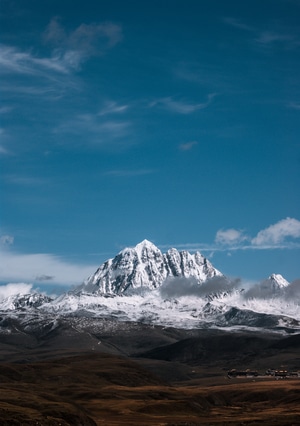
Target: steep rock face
point(146, 266)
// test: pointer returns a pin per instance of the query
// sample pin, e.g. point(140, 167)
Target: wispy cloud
point(112, 107)
point(236, 23)
point(101, 130)
point(13, 60)
point(86, 39)
point(67, 51)
point(269, 37)
point(266, 37)
point(36, 267)
point(182, 107)
point(187, 146)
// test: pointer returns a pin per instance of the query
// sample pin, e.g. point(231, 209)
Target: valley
point(132, 374)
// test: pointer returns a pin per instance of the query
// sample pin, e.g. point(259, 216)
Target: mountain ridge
point(146, 266)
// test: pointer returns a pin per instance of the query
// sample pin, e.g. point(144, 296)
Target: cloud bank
point(42, 268)
point(12, 289)
point(188, 286)
point(176, 287)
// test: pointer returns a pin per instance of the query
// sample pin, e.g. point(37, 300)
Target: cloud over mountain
point(12, 289)
point(189, 286)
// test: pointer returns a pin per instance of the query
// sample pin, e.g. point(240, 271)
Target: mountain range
point(145, 266)
point(174, 289)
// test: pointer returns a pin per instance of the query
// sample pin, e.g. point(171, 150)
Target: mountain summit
point(145, 266)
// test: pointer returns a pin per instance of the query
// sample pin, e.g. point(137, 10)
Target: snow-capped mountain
point(275, 285)
point(24, 301)
point(145, 266)
point(175, 289)
point(278, 282)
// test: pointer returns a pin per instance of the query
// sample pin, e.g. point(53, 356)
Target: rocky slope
point(145, 266)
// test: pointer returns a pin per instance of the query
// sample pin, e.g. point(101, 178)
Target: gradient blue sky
point(175, 121)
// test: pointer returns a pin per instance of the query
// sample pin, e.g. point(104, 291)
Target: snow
point(132, 287)
point(278, 280)
point(146, 266)
point(185, 312)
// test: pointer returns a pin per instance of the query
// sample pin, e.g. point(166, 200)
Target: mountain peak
point(145, 244)
point(145, 266)
point(278, 280)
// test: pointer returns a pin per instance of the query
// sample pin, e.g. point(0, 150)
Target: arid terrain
point(145, 375)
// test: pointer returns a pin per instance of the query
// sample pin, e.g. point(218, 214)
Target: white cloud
point(86, 40)
point(13, 60)
point(182, 107)
point(112, 107)
point(69, 51)
point(230, 236)
point(41, 267)
point(277, 236)
point(12, 289)
point(278, 233)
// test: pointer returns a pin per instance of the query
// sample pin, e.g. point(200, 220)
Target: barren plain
point(147, 375)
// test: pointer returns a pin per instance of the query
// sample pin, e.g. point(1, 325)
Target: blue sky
point(175, 121)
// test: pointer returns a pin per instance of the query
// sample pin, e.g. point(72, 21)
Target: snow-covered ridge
point(24, 301)
point(146, 266)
